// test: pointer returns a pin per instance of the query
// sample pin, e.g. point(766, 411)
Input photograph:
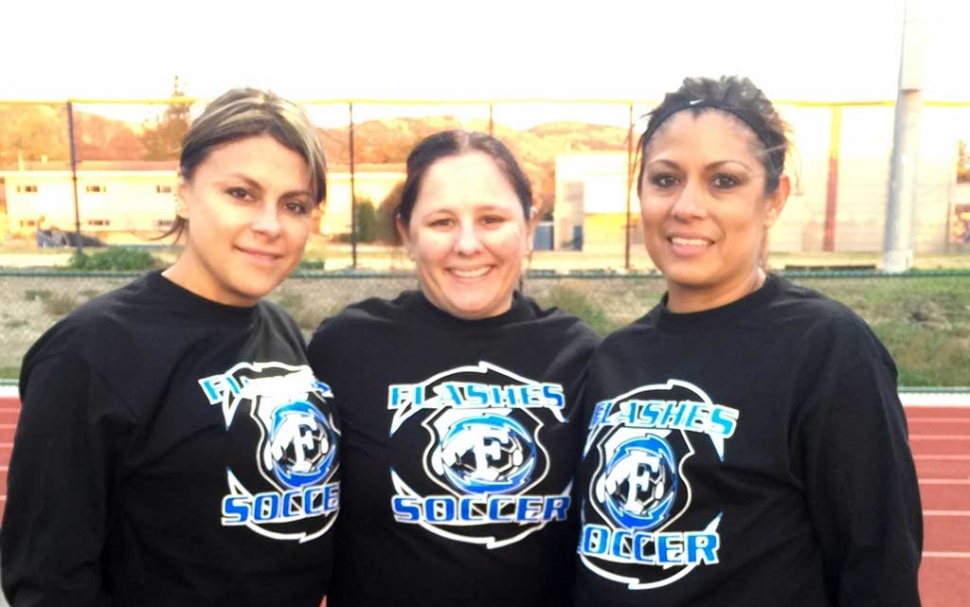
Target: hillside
point(390, 140)
point(32, 132)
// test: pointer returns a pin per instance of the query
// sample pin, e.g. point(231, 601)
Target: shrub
point(35, 294)
point(115, 259)
point(60, 305)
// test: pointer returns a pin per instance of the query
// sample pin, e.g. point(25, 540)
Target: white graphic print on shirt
point(295, 455)
point(638, 527)
point(484, 457)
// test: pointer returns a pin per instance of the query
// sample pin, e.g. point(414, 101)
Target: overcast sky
point(433, 49)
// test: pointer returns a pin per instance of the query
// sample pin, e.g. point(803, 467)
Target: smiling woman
point(466, 219)
point(457, 402)
point(250, 208)
point(174, 445)
point(745, 440)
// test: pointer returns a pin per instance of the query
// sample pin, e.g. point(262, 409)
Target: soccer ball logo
point(300, 447)
point(639, 485)
point(485, 453)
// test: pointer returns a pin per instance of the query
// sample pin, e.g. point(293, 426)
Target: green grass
point(582, 305)
point(924, 322)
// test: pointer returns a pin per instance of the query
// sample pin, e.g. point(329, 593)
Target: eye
point(238, 193)
point(493, 220)
point(724, 182)
point(441, 222)
point(297, 207)
point(663, 180)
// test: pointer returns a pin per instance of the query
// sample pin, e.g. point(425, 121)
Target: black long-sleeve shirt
point(170, 451)
point(753, 454)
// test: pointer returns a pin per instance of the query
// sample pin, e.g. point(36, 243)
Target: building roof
point(95, 165)
point(169, 165)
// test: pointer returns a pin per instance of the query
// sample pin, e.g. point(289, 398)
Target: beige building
point(840, 190)
point(139, 196)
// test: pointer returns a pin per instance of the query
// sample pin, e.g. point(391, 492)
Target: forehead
point(261, 158)
point(712, 135)
point(468, 179)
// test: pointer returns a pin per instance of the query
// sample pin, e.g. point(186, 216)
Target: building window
point(163, 224)
point(27, 223)
point(27, 189)
point(96, 189)
point(163, 189)
point(99, 222)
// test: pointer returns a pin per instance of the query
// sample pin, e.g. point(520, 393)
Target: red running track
point(940, 438)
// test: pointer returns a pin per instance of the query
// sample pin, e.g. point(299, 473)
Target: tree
point(366, 221)
point(99, 138)
point(163, 140)
point(386, 214)
point(33, 132)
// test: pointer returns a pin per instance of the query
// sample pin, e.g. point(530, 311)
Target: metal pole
point(901, 206)
point(491, 118)
point(629, 186)
point(77, 214)
point(353, 193)
point(832, 187)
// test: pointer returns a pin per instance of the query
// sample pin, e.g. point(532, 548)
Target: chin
point(471, 310)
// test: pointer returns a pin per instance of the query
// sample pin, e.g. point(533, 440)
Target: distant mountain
point(33, 132)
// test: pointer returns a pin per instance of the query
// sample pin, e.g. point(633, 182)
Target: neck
point(684, 300)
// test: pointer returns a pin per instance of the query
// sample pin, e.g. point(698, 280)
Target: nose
point(690, 202)
point(467, 241)
point(267, 220)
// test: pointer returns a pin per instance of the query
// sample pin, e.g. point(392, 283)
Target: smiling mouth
point(689, 242)
point(260, 256)
point(470, 272)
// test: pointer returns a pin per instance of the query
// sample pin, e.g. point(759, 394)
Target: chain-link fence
point(108, 168)
point(923, 317)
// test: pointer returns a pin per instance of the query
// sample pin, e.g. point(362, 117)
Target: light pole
point(901, 206)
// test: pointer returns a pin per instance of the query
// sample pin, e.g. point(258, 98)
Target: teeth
point(692, 242)
point(469, 273)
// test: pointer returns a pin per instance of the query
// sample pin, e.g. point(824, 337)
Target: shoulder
point(819, 323)
point(557, 320)
point(97, 331)
point(100, 316)
point(370, 311)
point(352, 325)
point(279, 318)
point(811, 310)
point(632, 336)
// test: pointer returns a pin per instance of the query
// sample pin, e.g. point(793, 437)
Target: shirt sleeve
point(862, 490)
point(60, 486)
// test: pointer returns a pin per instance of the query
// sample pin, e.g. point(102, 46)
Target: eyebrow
point(488, 208)
point(713, 165)
point(252, 183)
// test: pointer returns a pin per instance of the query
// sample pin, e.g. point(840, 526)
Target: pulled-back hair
point(241, 113)
point(735, 95)
point(455, 143)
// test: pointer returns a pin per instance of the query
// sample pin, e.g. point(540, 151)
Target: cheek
point(651, 214)
point(428, 246)
point(513, 242)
